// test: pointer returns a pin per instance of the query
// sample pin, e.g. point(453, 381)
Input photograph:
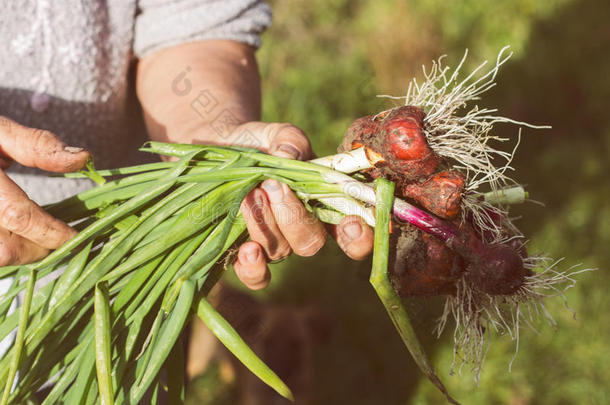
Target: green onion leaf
point(384, 197)
point(236, 345)
point(167, 338)
point(103, 358)
point(20, 338)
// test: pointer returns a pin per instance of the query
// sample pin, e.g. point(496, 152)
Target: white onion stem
point(346, 162)
point(349, 206)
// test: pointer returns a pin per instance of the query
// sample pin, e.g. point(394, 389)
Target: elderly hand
point(27, 232)
point(183, 90)
point(277, 221)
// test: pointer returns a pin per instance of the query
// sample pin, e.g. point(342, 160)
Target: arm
point(209, 92)
point(183, 89)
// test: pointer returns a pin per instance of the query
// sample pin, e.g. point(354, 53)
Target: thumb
point(39, 148)
point(354, 237)
point(278, 139)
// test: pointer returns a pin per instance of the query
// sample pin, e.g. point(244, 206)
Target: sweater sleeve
point(163, 23)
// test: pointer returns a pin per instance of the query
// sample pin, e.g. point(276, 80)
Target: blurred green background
point(324, 61)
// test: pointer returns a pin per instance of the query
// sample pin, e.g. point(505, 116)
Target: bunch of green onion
point(148, 251)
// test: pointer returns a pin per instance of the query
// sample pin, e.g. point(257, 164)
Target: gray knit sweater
point(65, 67)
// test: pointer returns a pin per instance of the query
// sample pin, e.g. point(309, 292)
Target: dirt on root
point(421, 265)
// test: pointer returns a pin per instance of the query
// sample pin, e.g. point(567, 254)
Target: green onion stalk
point(149, 248)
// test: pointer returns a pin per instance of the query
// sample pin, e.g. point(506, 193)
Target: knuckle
point(295, 135)
point(42, 140)
point(271, 130)
point(280, 252)
point(292, 131)
point(16, 217)
point(312, 246)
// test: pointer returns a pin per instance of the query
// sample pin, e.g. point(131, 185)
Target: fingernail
point(353, 230)
point(252, 257)
point(274, 190)
point(252, 254)
point(73, 149)
point(288, 151)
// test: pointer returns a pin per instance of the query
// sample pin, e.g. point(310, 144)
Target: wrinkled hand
point(277, 221)
point(27, 232)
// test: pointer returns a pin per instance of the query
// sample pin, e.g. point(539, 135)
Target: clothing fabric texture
point(65, 66)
